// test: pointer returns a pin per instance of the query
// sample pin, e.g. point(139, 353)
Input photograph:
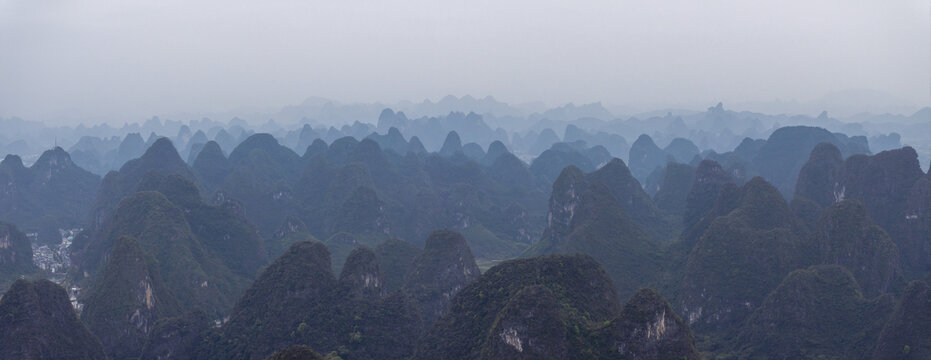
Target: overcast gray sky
point(62, 61)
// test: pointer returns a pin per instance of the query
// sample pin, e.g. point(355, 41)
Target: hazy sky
point(69, 60)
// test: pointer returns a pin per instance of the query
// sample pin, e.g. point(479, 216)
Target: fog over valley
point(414, 180)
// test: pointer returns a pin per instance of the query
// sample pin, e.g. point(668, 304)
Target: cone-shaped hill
point(760, 237)
point(54, 189)
point(905, 336)
point(53, 193)
point(637, 204)
point(161, 157)
point(439, 272)
point(559, 307)
point(15, 252)
point(124, 305)
point(38, 323)
point(451, 145)
point(786, 150)
point(847, 236)
point(815, 313)
point(361, 276)
point(710, 178)
point(817, 179)
point(211, 166)
point(298, 300)
point(394, 258)
point(645, 157)
point(647, 328)
point(196, 274)
point(586, 218)
point(673, 193)
point(890, 185)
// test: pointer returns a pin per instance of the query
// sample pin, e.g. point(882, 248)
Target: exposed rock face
point(762, 238)
point(817, 179)
point(847, 236)
point(906, 334)
point(883, 182)
point(123, 307)
point(563, 202)
point(788, 148)
point(521, 308)
point(443, 269)
point(39, 323)
point(361, 275)
point(528, 327)
point(586, 218)
point(196, 274)
point(815, 313)
point(177, 337)
point(297, 300)
point(648, 328)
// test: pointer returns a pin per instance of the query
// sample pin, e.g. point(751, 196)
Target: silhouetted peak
point(496, 148)
point(386, 114)
point(615, 167)
point(443, 240)
point(317, 147)
point(12, 162)
point(644, 140)
point(473, 151)
point(451, 145)
point(569, 176)
point(415, 146)
point(709, 171)
point(262, 141)
point(717, 108)
point(826, 151)
point(133, 139)
point(162, 150)
point(211, 150)
point(366, 148)
point(56, 158)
